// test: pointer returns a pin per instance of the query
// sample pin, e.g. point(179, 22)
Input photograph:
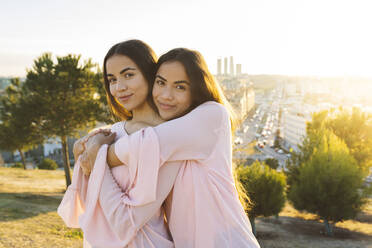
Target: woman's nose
point(121, 85)
point(167, 93)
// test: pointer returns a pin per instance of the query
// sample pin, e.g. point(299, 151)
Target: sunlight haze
point(325, 38)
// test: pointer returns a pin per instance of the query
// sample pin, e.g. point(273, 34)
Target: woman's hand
point(88, 157)
point(79, 145)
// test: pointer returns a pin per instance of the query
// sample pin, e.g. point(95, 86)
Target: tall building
point(231, 66)
point(238, 69)
point(219, 69)
point(225, 66)
point(294, 127)
point(240, 94)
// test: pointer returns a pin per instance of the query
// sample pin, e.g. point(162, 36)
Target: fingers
point(78, 147)
point(104, 131)
point(109, 139)
point(85, 164)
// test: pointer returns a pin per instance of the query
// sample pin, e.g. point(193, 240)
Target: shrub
point(47, 164)
point(17, 165)
point(265, 188)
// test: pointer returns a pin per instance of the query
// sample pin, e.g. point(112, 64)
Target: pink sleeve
point(142, 151)
point(190, 137)
point(108, 208)
point(93, 216)
point(73, 202)
point(125, 220)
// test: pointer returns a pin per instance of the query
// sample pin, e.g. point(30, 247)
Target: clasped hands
point(87, 148)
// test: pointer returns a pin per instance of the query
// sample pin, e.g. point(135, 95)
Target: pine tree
point(328, 183)
point(63, 96)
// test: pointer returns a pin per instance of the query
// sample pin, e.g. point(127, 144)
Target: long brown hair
point(203, 85)
point(145, 58)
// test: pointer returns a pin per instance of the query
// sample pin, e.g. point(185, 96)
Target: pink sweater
point(203, 209)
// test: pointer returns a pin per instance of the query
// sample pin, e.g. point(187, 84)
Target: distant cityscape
point(270, 107)
point(278, 107)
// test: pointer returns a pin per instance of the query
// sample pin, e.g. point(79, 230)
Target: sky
point(288, 37)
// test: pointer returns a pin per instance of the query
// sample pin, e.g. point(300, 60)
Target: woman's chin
point(166, 116)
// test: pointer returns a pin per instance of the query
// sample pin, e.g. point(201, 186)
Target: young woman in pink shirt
point(191, 154)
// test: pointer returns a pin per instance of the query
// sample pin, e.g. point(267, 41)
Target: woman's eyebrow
point(158, 76)
point(182, 82)
point(122, 71)
point(127, 69)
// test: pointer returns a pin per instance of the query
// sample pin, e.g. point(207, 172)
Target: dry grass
point(28, 204)
point(294, 229)
point(28, 218)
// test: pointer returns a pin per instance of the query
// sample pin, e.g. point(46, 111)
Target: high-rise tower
point(231, 66)
point(225, 66)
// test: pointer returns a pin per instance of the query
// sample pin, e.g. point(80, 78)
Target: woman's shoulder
point(118, 127)
point(212, 110)
point(211, 106)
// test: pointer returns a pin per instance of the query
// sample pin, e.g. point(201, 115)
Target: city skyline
point(317, 38)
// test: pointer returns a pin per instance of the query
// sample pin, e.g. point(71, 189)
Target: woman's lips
point(166, 106)
point(125, 98)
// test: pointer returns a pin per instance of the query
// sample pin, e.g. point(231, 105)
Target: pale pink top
point(203, 211)
point(81, 206)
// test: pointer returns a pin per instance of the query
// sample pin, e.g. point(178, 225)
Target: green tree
point(329, 183)
point(355, 129)
point(265, 188)
point(18, 130)
point(63, 95)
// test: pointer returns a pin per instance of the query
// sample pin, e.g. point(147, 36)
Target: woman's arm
point(124, 218)
point(191, 137)
point(73, 202)
point(122, 214)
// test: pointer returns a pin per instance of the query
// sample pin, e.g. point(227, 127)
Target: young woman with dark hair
point(203, 209)
point(129, 71)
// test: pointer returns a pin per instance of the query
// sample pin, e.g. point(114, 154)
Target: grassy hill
point(28, 218)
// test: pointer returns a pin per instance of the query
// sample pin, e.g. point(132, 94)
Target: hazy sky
point(296, 37)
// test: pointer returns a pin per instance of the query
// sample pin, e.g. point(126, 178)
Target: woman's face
point(171, 92)
point(127, 84)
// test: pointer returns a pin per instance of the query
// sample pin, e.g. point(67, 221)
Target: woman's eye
point(128, 75)
point(159, 82)
point(111, 80)
point(181, 87)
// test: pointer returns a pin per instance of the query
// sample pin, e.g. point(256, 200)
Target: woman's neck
point(145, 114)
